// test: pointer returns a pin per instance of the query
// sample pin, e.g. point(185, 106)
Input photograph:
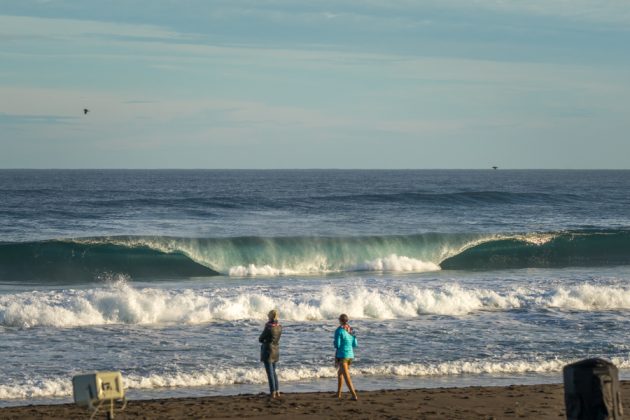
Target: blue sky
point(319, 84)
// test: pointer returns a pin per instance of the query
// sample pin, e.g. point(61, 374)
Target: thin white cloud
point(401, 11)
point(366, 96)
point(13, 27)
point(612, 11)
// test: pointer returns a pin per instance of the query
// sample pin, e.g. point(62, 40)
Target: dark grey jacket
point(270, 339)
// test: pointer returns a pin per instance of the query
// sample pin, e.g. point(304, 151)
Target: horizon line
point(490, 168)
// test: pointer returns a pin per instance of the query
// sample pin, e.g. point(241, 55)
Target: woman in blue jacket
point(345, 342)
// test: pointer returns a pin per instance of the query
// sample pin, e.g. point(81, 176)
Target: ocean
point(450, 277)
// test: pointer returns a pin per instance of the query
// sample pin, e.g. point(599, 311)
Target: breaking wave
point(169, 257)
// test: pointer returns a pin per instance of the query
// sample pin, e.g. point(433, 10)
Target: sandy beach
point(517, 401)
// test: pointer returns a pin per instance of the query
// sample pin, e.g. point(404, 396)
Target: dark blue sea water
point(450, 277)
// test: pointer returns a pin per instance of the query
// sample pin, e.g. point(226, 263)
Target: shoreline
point(545, 401)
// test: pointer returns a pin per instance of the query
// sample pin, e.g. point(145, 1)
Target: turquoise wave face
point(569, 249)
point(52, 261)
point(166, 257)
point(272, 256)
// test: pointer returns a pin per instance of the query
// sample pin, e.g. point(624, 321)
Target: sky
point(268, 84)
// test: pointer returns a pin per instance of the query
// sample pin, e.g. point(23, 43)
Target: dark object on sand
point(85, 111)
point(592, 391)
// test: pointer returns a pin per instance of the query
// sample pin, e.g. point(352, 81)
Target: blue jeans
point(271, 376)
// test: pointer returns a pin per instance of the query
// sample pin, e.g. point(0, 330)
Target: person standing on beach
point(345, 342)
point(270, 350)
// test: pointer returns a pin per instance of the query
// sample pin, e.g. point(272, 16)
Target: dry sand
point(518, 401)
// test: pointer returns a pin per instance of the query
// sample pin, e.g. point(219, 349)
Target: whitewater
point(449, 277)
point(121, 303)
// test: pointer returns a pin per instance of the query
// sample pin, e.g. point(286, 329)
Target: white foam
point(252, 270)
point(588, 297)
point(41, 388)
point(120, 303)
point(60, 387)
point(395, 263)
point(391, 263)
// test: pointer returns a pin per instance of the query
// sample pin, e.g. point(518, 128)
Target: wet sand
point(518, 401)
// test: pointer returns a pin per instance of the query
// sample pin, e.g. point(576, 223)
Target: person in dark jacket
point(270, 351)
point(345, 341)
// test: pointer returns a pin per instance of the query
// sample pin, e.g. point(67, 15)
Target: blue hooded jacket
point(344, 343)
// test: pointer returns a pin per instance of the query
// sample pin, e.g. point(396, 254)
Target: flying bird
point(85, 111)
point(495, 167)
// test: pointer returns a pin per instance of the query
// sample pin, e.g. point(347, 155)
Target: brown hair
point(343, 318)
point(273, 315)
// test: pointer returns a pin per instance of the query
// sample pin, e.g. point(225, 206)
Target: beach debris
point(92, 390)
